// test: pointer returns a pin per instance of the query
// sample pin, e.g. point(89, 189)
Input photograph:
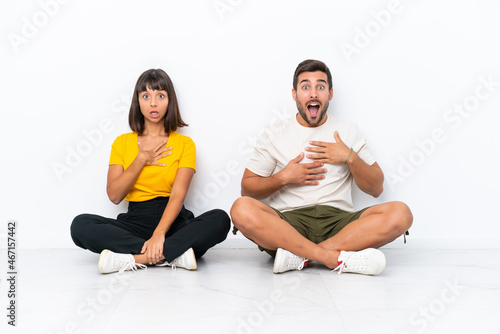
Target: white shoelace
point(296, 262)
point(340, 267)
point(165, 263)
point(130, 265)
point(355, 262)
point(301, 266)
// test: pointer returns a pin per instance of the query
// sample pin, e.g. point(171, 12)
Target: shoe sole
point(382, 263)
point(100, 264)
point(192, 259)
point(278, 258)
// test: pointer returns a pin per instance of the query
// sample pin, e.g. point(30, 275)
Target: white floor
point(235, 291)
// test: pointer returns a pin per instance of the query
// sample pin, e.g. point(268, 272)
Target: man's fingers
point(314, 171)
point(316, 157)
point(317, 143)
point(311, 183)
point(315, 177)
point(337, 137)
point(299, 157)
point(314, 164)
point(320, 149)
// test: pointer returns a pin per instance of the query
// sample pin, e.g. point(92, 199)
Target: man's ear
point(294, 94)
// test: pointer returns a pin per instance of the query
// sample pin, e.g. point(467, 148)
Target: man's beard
point(304, 114)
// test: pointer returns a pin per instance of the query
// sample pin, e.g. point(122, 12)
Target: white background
point(400, 68)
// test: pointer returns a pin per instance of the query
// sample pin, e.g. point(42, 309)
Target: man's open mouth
point(313, 109)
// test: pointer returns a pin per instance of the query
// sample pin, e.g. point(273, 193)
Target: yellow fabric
point(153, 181)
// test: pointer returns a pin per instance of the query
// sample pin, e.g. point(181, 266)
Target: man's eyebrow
point(307, 80)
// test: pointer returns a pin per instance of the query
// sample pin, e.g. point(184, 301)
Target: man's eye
point(321, 87)
point(305, 87)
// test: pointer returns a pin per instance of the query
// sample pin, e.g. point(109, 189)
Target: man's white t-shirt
point(279, 143)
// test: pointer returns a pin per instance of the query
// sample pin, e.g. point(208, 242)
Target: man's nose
point(313, 92)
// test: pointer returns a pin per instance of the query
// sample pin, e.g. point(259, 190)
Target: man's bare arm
point(294, 173)
point(369, 178)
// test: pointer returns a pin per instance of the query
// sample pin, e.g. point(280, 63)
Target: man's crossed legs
point(376, 226)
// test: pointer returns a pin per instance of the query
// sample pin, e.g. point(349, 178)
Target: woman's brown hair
point(155, 79)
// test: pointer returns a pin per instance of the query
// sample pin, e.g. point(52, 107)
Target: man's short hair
point(311, 65)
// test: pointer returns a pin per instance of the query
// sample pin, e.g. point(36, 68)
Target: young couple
point(305, 166)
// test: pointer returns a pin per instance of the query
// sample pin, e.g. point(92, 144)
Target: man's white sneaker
point(368, 261)
point(285, 261)
point(187, 261)
point(110, 262)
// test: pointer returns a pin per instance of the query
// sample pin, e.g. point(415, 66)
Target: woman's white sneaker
point(368, 261)
point(187, 261)
point(110, 262)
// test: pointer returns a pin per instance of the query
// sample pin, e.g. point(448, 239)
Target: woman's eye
point(145, 96)
point(161, 96)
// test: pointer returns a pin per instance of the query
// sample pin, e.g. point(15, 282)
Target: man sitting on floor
point(305, 165)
